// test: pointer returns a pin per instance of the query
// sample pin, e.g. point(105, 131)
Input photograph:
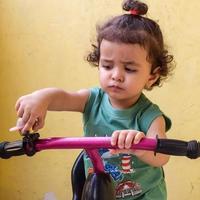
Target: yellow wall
point(43, 43)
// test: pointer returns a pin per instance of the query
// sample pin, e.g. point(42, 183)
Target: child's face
point(124, 72)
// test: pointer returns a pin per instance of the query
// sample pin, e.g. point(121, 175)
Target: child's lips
point(115, 87)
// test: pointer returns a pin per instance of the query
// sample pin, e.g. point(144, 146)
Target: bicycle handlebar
point(19, 147)
point(99, 181)
point(31, 144)
point(9, 149)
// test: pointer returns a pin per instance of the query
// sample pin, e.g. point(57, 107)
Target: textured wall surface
point(43, 44)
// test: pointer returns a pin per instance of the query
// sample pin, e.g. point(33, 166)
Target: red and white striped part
point(126, 163)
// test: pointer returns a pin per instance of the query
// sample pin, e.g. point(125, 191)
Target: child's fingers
point(39, 123)
point(138, 137)
point(29, 124)
point(129, 139)
point(122, 139)
point(15, 128)
point(20, 112)
point(26, 116)
point(17, 105)
point(19, 125)
point(114, 138)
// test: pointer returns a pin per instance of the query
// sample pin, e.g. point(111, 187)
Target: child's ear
point(154, 76)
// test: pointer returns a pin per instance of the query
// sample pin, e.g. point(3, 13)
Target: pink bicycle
point(98, 185)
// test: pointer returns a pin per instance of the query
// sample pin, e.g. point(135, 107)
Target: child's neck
point(124, 103)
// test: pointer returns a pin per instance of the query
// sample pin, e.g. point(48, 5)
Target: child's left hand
point(124, 140)
point(19, 126)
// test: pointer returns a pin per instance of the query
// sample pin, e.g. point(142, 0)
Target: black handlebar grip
point(190, 149)
point(9, 149)
point(20, 147)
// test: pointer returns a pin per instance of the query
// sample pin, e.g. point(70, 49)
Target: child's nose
point(118, 75)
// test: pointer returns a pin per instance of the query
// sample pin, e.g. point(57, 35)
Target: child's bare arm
point(32, 108)
point(157, 128)
point(124, 138)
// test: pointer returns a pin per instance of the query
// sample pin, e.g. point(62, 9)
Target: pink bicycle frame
point(32, 144)
point(103, 188)
point(91, 145)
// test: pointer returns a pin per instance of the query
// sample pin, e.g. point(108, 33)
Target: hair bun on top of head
point(135, 7)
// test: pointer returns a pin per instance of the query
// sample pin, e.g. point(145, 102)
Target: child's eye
point(107, 67)
point(129, 70)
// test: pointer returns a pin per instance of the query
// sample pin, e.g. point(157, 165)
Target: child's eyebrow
point(130, 63)
point(106, 60)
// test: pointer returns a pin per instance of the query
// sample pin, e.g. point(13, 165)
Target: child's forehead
point(126, 51)
point(106, 44)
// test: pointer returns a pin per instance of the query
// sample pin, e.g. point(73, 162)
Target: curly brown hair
point(135, 29)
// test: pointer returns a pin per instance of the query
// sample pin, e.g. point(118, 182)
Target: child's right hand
point(31, 109)
point(124, 139)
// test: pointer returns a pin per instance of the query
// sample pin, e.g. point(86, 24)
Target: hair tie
point(134, 12)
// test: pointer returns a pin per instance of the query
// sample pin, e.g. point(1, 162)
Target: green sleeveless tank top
point(133, 179)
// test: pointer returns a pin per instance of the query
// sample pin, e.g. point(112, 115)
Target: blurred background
point(44, 43)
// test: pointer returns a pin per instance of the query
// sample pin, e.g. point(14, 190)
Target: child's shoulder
point(96, 93)
point(149, 112)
